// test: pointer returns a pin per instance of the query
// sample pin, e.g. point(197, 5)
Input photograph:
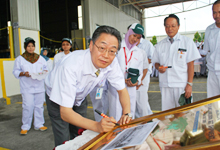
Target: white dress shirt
point(136, 60)
point(182, 51)
point(74, 78)
point(212, 46)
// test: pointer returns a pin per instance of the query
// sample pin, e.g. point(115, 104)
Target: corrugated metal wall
point(103, 13)
point(28, 14)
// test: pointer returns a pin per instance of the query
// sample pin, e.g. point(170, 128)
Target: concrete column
point(26, 23)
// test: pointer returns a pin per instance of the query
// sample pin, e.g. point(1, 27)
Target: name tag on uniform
point(99, 93)
point(181, 51)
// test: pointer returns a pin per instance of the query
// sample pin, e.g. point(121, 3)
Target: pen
point(104, 116)
point(165, 67)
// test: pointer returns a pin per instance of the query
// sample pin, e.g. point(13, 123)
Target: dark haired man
point(77, 74)
point(179, 52)
point(212, 46)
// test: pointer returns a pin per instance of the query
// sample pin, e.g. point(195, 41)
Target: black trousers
point(62, 130)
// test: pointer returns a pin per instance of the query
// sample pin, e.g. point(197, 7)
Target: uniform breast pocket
point(135, 63)
point(181, 57)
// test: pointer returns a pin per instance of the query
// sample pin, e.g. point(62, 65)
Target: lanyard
point(126, 62)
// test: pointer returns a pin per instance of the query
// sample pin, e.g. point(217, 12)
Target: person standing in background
point(43, 53)
point(32, 90)
point(212, 46)
point(179, 52)
point(130, 59)
point(66, 46)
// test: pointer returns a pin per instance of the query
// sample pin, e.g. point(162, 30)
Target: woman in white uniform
point(43, 53)
point(129, 56)
point(32, 90)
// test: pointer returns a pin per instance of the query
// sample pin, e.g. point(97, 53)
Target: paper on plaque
point(39, 76)
point(131, 136)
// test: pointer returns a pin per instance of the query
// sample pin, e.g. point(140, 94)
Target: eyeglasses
point(110, 51)
point(173, 26)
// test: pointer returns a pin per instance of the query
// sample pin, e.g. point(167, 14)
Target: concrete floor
point(10, 119)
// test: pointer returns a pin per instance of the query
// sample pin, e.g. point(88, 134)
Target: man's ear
point(90, 45)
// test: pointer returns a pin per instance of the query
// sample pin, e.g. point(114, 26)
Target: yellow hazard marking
point(1, 148)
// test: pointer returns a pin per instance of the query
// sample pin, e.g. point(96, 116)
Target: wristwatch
point(129, 115)
point(190, 83)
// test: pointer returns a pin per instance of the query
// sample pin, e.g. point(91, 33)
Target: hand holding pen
point(162, 68)
point(106, 124)
point(105, 116)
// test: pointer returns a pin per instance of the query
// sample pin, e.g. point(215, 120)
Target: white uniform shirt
point(212, 46)
point(58, 57)
point(136, 60)
point(49, 65)
point(177, 55)
point(74, 78)
point(27, 84)
point(148, 47)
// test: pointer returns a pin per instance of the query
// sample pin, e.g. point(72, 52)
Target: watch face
point(129, 114)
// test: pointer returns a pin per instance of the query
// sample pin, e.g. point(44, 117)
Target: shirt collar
point(175, 38)
point(214, 26)
point(90, 68)
point(124, 45)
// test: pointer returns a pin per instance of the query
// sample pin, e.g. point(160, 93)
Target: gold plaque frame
point(99, 140)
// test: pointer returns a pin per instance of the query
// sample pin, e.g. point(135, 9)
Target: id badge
point(99, 93)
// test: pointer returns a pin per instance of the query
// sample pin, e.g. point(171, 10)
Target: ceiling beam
point(132, 3)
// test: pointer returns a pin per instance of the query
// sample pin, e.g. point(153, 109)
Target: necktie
point(97, 72)
point(171, 40)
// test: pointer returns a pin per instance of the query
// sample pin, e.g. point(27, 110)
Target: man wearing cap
point(130, 58)
point(74, 77)
point(212, 46)
point(142, 105)
point(179, 52)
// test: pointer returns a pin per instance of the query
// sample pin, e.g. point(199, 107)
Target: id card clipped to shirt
point(99, 92)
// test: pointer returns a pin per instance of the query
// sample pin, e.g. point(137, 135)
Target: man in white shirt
point(179, 52)
point(142, 105)
point(212, 46)
point(74, 78)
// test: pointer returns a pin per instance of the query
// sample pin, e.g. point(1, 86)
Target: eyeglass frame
point(106, 50)
point(172, 26)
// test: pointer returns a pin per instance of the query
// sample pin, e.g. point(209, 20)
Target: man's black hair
point(172, 16)
point(108, 30)
point(216, 2)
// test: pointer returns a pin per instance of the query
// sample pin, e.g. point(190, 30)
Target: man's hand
point(161, 69)
point(129, 83)
point(138, 86)
point(188, 91)
point(106, 124)
point(124, 119)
